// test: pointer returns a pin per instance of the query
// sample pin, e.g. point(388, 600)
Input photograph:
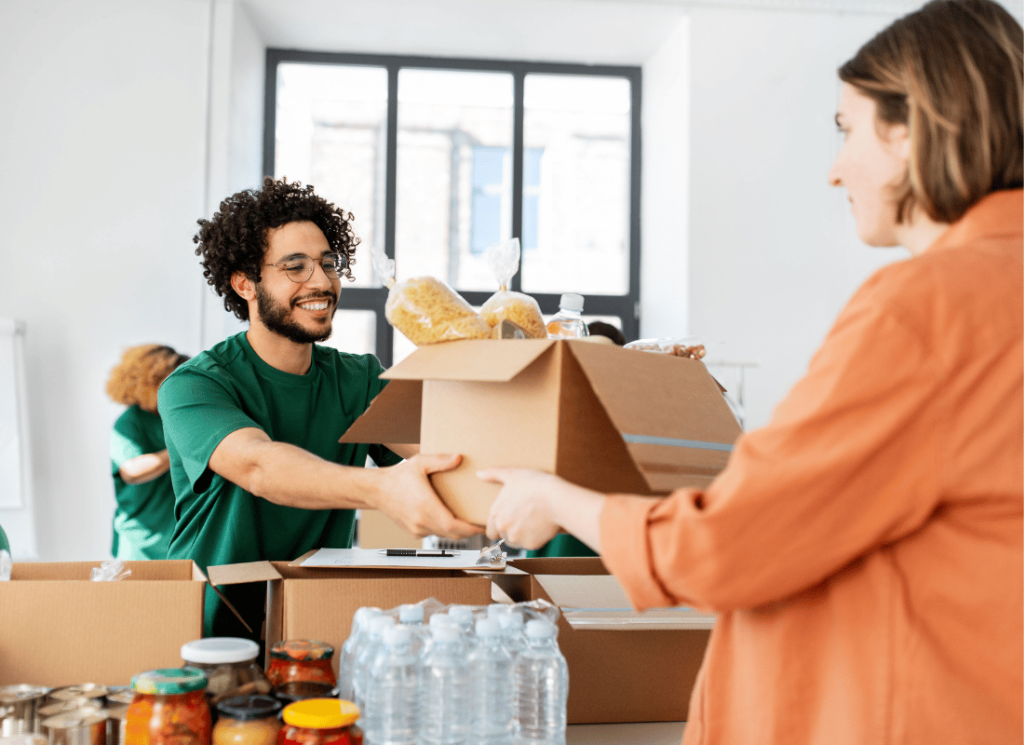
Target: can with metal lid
point(117, 695)
point(82, 727)
point(67, 707)
point(85, 692)
point(117, 715)
point(32, 738)
point(19, 708)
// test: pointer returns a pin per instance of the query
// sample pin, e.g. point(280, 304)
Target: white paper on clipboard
point(372, 558)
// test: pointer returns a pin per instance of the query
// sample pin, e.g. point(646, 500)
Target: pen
point(430, 552)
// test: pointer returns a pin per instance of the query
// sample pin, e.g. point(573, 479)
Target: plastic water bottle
point(365, 656)
point(446, 689)
point(391, 715)
point(347, 663)
point(568, 322)
point(411, 615)
point(463, 615)
point(541, 688)
point(512, 631)
point(490, 667)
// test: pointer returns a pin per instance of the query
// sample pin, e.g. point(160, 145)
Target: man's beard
point(275, 317)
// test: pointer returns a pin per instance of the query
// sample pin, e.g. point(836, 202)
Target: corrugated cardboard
point(624, 666)
point(57, 628)
point(319, 603)
point(600, 416)
point(376, 530)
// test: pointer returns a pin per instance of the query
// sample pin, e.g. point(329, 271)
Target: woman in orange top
point(864, 549)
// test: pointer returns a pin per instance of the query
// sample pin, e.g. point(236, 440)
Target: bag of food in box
point(425, 309)
point(516, 307)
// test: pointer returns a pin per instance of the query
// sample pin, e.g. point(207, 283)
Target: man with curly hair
point(144, 515)
point(252, 424)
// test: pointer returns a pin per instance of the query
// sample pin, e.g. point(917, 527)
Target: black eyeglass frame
point(339, 262)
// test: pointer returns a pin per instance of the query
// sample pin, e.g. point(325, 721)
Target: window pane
point(354, 331)
point(331, 133)
point(454, 174)
point(576, 185)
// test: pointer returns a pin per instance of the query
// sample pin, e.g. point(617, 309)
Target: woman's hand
point(533, 507)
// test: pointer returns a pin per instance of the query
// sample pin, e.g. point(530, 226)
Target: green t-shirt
point(144, 516)
point(227, 388)
point(562, 544)
point(4, 545)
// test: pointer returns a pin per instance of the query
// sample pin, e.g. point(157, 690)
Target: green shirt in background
point(144, 516)
point(562, 544)
point(4, 545)
point(226, 388)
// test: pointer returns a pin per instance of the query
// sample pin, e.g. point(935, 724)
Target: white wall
point(123, 124)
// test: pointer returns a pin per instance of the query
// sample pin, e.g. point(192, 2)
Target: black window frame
point(625, 307)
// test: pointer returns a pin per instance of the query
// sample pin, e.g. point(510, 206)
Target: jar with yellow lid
point(247, 720)
point(169, 708)
point(320, 721)
point(301, 661)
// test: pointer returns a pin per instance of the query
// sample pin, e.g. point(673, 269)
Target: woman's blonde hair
point(952, 71)
point(136, 378)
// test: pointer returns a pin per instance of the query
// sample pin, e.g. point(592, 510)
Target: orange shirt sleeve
point(850, 461)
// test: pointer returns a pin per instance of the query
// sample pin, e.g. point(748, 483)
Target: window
point(438, 159)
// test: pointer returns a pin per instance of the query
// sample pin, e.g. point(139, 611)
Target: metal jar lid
point(83, 691)
point(169, 681)
point(249, 708)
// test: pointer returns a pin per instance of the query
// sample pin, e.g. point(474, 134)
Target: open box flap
point(681, 430)
point(483, 360)
point(239, 574)
point(598, 603)
point(393, 416)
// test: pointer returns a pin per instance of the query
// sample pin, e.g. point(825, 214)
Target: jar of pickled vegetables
point(169, 708)
point(247, 720)
point(230, 667)
point(320, 721)
point(301, 660)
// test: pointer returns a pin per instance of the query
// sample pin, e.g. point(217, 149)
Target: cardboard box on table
point(624, 666)
point(318, 603)
point(58, 628)
point(603, 417)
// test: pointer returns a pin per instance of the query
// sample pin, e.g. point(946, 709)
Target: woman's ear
point(898, 140)
point(244, 287)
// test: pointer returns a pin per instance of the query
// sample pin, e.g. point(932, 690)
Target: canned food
point(19, 709)
point(67, 707)
point(117, 716)
point(83, 727)
point(27, 739)
point(83, 692)
point(119, 695)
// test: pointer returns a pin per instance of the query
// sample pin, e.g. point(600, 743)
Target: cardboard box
point(624, 666)
point(603, 417)
point(319, 603)
point(376, 530)
point(58, 628)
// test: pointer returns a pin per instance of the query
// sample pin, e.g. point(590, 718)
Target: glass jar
point(301, 660)
point(230, 667)
point(169, 708)
point(247, 720)
point(320, 721)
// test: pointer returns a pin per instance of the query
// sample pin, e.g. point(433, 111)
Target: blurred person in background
point(144, 516)
point(600, 328)
point(863, 551)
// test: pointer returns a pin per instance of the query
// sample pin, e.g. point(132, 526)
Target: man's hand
point(533, 507)
point(407, 497)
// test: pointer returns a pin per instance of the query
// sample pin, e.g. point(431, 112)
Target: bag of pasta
point(425, 309)
point(516, 307)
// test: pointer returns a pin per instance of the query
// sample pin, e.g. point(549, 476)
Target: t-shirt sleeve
point(127, 441)
point(198, 411)
point(848, 463)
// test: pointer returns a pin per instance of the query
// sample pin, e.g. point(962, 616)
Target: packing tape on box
point(673, 442)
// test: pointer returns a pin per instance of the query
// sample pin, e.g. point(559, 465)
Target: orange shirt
point(865, 549)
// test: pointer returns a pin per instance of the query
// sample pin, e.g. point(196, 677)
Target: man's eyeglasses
point(299, 268)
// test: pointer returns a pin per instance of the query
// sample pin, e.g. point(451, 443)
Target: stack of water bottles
point(429, 674)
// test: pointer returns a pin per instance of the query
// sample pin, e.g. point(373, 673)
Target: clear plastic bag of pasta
point(427, 310)
point(517, 307)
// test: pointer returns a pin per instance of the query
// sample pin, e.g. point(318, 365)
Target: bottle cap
point(410, 613)
point(571, 301)
point(445, 633)
point(249, 708)
point(442, 619)
point(488, 627)
point(321, 713)
point(378, 624)
point(498, 609)
point(219, 650)
point(169, 681)
point(538, 629)
point(462, 614)
point(396, 636)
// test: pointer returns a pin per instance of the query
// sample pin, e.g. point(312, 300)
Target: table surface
point(639, 733)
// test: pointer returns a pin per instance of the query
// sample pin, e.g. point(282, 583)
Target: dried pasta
point(428, 311)
point(521, 309)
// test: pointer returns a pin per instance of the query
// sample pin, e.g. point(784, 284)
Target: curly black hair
point(236, 238)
